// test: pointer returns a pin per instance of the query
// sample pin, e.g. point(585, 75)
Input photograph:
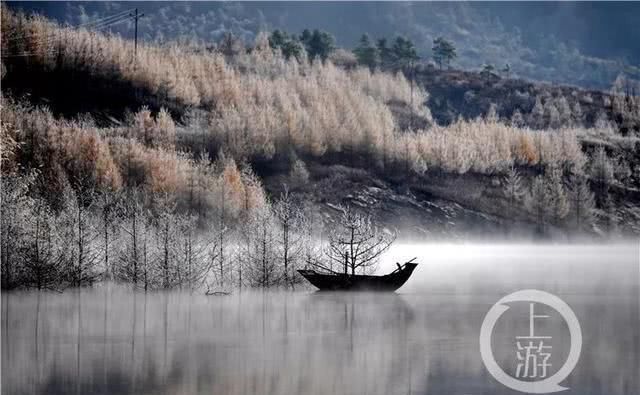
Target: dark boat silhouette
point(349, 282)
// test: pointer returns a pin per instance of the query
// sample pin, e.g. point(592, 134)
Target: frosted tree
point(312, 234)
point(601, 172)
point(166, 252)
point(44, 260)
point(356, 243)
point(110, 209)
point(197, 253)
point(551, 115)
point(582, 201)
point(537, 203)
point(492, 114)
point(513, 189)
point(576, 112)
point(536, 117)
point(80, 234)
point(299, 173)
point(517, 120)
point(16, 214)
point(564, 110)
point(287, 214)
point(611, 215)
point(134, 261)
point(262, 257)
point(557, 197)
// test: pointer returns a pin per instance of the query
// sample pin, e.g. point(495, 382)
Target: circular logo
point(545, 385)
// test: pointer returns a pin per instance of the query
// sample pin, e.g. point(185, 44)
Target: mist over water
point(421, 340)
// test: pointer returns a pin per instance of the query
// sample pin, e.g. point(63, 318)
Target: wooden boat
point(346, 282)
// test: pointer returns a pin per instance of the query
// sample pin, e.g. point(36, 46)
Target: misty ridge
point(561, 42)
point(233, 163)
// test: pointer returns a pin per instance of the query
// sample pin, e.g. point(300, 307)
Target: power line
point(95, 25)
point(136, 16)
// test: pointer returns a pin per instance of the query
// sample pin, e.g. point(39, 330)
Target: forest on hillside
point(561, 42)
point(147, 164)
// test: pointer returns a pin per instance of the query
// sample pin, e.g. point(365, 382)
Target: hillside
point(560, 42)
point(158, 163)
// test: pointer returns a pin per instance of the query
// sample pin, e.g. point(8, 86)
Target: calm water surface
point(421, 340)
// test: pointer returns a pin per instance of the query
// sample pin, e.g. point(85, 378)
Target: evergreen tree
point(288, 45)
point(488, 69)
point(443, 51)
point(318, 44)
point(366, 53)
point(506, 70)
point(404, 52)
point(385, 53)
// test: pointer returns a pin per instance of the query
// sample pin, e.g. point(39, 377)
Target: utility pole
point(135, 17)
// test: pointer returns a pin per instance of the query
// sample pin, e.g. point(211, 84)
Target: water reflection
point(424, 340)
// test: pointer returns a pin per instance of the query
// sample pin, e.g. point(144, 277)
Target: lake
point(424, 339)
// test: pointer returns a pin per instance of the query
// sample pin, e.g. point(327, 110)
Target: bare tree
point(81, 233)
point(133, 264)
point(356, 243)
point(109, 206)
point(262, 269)
point(16, 212)
point(198, 252)
point(43, 263)
point(230, 45)
point(288, 216)
point(166, 242)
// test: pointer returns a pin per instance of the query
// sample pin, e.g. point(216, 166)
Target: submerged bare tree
point(133, 263)
point(288, 217)
point(262, 270)
point(198, 253)
point(15, 216)
point(44, 260)
point(356, 243)
point(81, 233)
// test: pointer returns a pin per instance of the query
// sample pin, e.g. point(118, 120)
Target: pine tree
point(385, 53)
point(318, 44)
point(443, 51)
point(366, 53)
point(404, 53)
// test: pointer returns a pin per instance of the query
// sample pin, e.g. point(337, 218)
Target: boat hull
point(345, 282)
